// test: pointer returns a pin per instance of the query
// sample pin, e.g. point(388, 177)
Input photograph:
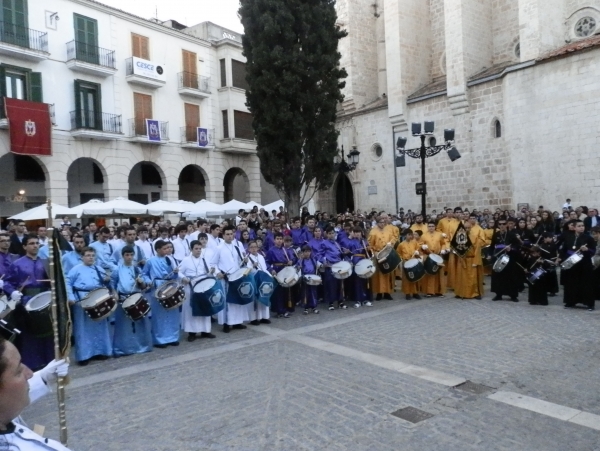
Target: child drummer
point(259, 312)
point(277, 259)
point(357, 245)
point(538, 290)
point(308, 293)
point(329, 254)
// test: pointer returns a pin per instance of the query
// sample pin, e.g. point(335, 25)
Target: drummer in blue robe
point(70, 259)
point(259, 311)
point(92, 338)
point(298, 233)
point(330, 253)
point(308, 294)
point(104, 250)
point(293, 297)
point(26, 278)
point(130, 337)
point(277, 259)
point(6, 258)
point(139, 257)
point(158, 270)
point(357, 245)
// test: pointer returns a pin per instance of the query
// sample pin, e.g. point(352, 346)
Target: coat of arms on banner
point(461, 243)
point(153, 130)
point(30, 128)
point(202, 137)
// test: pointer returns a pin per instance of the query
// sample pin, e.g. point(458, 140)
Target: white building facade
point(517, 80)
point(104, 72)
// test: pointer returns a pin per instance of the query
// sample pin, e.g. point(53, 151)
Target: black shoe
point(305, 311)
point(417, 296)
point(191, 337)
point(478, 298)
point(265, 321)
point(284, 315)
point(569, 306)
point(457, 297)
point(175, 343)
point(160, 346)
point(497, 298)
point(591, 309)
point(226, 328)
point(239, 326)
point(101, 357)
point(408, 297)
point(83, 362)
point(212, 320)
point(551, 295)
point(342, 306)
point(207, 335)
point(387, 296)
point(255, 322)
point(378, 297)
point(514, 299)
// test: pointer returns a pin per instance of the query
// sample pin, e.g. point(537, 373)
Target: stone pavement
point(331, 382)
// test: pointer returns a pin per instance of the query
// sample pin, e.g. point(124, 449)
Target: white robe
point(181, 248)
point(193, 268)
point(227, 260)
point(257, 309)
point(213, 242)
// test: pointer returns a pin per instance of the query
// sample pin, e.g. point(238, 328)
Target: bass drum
point(39, 315)
point(414, 269)
point(388, 260)
point(433, 263)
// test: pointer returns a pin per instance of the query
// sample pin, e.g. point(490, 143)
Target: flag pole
point(61, 381)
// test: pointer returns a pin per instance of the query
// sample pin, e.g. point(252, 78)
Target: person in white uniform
point(193, 267)
point(181, 245)
point(229, 258)
point(213, 237)
point(19, 386)
point(259, 312)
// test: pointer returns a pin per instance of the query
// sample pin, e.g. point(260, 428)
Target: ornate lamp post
point(424, 152)
point(342, 167)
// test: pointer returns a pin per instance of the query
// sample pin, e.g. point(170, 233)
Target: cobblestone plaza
point(332, 381)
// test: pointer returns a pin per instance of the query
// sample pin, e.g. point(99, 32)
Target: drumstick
point(24, 284)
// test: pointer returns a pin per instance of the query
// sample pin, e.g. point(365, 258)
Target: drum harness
point(78, 290)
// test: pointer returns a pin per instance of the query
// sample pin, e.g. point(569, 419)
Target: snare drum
point(98, 304)
point(341, 270)
point(501, 263)
point(287, 277)
point(39, 319)
point(388, 260)
point(433, 263)
point(571, 261)
point(414, 269)
point(536, 275)
point(365, 268)
point(208, 297)
point(242, 288)
point(265, 285)
point(170, 295)
point(313, 279)
point(136, 306)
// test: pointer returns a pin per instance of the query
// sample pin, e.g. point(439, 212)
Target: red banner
point(30, 127)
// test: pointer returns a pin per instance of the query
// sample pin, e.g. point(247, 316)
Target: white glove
point(16, 296)
point(444, 252)
point(416, 253)
point(444, 235)
point(54, 369)
point(424, 247)
point(1, 284)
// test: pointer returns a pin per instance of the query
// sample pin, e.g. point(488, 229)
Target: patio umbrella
point(41, 212)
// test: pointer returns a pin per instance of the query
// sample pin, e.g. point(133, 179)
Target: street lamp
point(424, 152)
point(342, 167)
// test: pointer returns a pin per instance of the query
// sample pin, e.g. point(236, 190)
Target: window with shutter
point(225, 124)
point(142, 106)
point(238, 74)
point(86, 39)
point(140, 46)
point(190, 70)
point(192, 121)
point(223, 73)
point(243, 125)
point(13, 14)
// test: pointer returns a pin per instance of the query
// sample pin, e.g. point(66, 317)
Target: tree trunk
point(292, 204)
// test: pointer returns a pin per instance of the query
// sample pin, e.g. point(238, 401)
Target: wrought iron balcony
point(194, 85)
point(19, 41)
point(90, 59)
point(189, 137)
point(139, 131)
point(95, 124)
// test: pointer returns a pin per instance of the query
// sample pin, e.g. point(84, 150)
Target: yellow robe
point(448, 226)
point(406, 249)
point(488, 233)
point(434, 284)
point(421, 227)
point(469, 276)
point(381, 283)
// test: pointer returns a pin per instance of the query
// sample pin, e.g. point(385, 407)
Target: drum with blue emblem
point(264, 287)
point(242, 288)
point(208, 297)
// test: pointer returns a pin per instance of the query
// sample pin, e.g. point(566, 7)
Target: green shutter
point(35, 87)
point(77, 117)
point(20, 13)
point(2, 92)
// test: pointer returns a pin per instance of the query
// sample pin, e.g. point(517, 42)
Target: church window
point(376, 151)
point(497, 129)
point(586, 26)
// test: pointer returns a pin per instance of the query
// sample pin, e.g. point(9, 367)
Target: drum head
point(204, 285)
point(286, 273)
point(341, 267)
point(237, 275)
point(39, 302)
point(437, 259)
point(384, 253)
point(412, 263)
point(132, 300)
point(94, 297)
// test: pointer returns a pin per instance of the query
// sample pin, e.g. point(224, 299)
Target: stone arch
point(26, 174)
point(146, 181)
point(344, 193)
point(236, 185)
point(496, 128)
point(192, 183)
point(86, 179)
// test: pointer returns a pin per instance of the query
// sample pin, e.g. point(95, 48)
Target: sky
point(187, 12)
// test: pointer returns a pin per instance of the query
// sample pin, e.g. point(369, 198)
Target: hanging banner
point(153, 130)
point(202, 137)
point(461, 243)
point(30, 127)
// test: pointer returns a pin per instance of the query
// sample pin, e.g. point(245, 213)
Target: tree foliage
point(295, 83)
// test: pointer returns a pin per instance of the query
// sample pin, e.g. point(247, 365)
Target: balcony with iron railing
point(23, 42)
point(138, 131)
point(148, 79)
point(90, 59)
point(191, 140)
point(96, 125)
point(193, 85)
point(4, 119)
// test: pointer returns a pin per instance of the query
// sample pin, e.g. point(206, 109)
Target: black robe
point(578, 281)
point(551, 278)
point(508, 281)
